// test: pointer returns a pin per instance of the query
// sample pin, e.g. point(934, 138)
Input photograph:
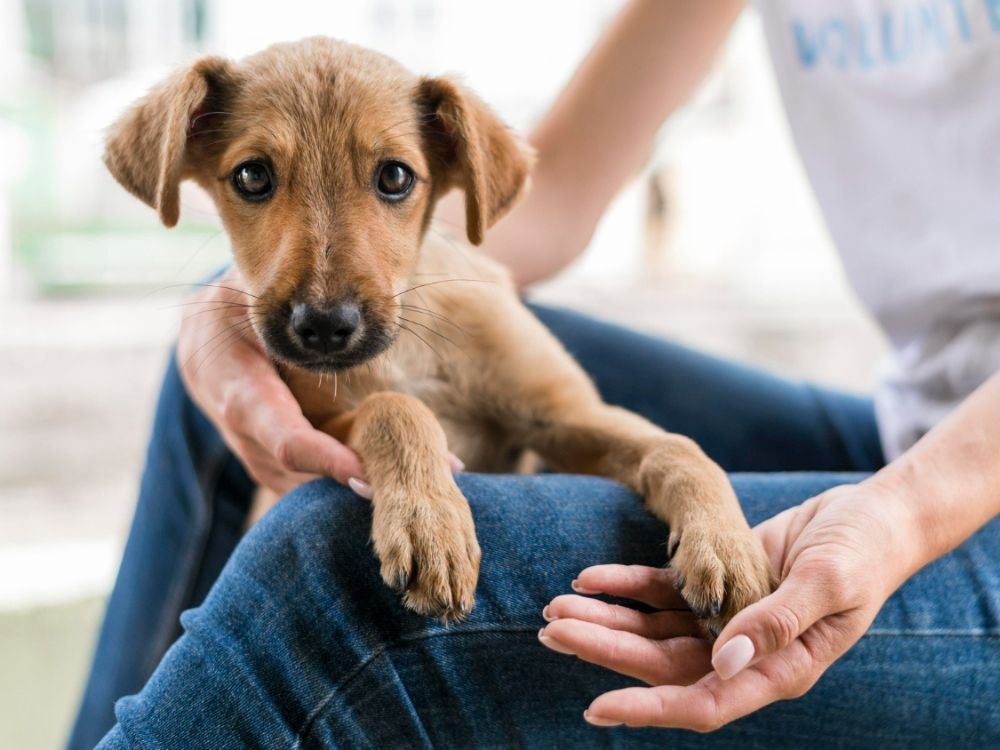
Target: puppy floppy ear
point(146, 148)
point(473, 149)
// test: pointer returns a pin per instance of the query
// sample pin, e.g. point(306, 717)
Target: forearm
point(601, 128)
point(949, 482)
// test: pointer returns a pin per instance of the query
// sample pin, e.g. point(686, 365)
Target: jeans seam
point(302, 735)
point(985, 634)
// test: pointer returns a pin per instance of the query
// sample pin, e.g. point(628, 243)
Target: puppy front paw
point(719, 571)
point(426, 542)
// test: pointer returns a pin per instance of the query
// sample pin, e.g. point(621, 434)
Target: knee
point(318, 532)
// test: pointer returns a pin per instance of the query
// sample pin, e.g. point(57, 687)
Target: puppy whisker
point(234, 332)
point(223, 346)
point(227, 329)
point(188, 303)
point(441, 281)
point(436, 333)
point(232, 313)
point(203, 284)
point(432, 314)
point(422, 339)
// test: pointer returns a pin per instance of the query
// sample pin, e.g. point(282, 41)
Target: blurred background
point(716, 243)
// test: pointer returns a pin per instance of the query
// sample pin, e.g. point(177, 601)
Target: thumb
point(315, 452)
point(771, 624)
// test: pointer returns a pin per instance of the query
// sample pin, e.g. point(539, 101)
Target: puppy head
point(325, 161)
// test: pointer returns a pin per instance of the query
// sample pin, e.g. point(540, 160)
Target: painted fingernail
point(733, 657)
point(362, 488)
point(547, 614)
point(456, 463)
point(580, 589)
point(553, 644)
point(597, 721)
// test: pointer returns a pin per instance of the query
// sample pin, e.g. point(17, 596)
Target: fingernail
point(547, 614)
point(580, 589)
point(553, 644)
point(456, 463)
point(362, 488)
point(597, 721)
point(733, 657)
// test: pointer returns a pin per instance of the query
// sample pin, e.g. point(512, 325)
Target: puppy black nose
point(326, 330)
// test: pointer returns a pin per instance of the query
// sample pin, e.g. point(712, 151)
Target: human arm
point(601, 128)
point(842, 554)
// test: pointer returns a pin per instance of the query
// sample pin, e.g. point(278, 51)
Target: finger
point(674, 661)
point(653, 586)
point(659, 625)
point(307, 450)
point(266, 472)
point(773, 623)
point(703, 707)
point(270, 414)
point(455, 463)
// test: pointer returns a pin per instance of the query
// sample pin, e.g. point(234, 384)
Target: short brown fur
point(462, 364)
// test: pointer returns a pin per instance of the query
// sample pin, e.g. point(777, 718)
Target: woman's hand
point(841, 555)
point(229, 376)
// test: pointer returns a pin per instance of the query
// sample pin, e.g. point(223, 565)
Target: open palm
point(840, 554)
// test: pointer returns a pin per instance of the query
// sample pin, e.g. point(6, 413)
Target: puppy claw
point(402, 582)
point(429, 554)
point(720, 571)
point(672, 543)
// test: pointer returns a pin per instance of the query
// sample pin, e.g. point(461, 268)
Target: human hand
point(228, 374)
point(841, 554)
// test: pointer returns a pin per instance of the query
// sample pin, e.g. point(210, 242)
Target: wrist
point(905, 517)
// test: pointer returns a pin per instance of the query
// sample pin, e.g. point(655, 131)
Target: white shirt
point(895, 108)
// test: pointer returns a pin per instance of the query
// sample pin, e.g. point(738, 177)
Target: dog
point(325, 161)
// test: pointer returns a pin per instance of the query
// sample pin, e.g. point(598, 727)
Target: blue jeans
point(299, 643)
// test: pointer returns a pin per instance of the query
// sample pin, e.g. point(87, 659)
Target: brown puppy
point(325, 162)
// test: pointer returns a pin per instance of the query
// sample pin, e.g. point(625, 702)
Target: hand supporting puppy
point(841, 554)
point(231, 379)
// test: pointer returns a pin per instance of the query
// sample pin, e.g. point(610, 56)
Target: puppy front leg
point(422, 527)
point(721, 564)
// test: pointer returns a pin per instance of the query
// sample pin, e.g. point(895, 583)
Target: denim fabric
point(193, 500)
point(744, 418)
point(300, 642)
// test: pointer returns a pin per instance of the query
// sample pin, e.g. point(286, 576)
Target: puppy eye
point(253, 180)
point(394, 181)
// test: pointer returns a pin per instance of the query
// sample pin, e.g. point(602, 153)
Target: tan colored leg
point(422, 527)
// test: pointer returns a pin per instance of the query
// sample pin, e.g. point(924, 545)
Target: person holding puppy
point(878, 514)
